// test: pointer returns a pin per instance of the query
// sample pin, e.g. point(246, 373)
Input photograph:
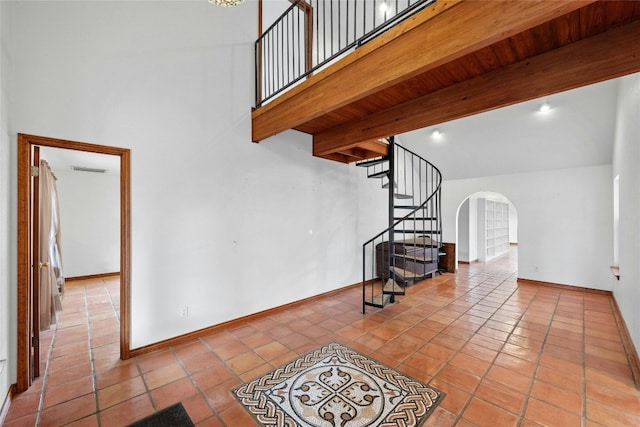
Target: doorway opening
point(28, 335)
point(486, 227)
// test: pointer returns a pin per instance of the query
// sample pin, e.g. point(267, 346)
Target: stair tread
point(380, 174)
point(408, 207)
point(418, 258)
point(416, 218)
point(378, 300)
point(405, 274)
point(416, 231)
point(393, 288)
point(420, 241)
point(372, 162)
point(403, 196)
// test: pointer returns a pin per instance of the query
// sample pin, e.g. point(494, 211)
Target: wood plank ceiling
point(451, 60)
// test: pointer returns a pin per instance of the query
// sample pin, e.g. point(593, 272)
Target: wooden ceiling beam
point(428, 39)
point(609, 55)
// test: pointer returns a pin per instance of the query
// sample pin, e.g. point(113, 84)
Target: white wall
point(463, 232)
point(89, 221)
point(467, 242)
point(473, 228)
point(513, 223)
point(221, 225)
point(7, 245)
point(626, 157)
point(564, 221)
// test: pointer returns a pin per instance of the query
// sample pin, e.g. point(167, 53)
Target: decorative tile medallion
point(336, 386)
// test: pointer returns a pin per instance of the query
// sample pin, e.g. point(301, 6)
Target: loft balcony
point(442, 61)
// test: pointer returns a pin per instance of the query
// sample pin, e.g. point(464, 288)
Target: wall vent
point(86, 169)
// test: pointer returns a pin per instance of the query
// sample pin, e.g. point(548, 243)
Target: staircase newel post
point(392, 177)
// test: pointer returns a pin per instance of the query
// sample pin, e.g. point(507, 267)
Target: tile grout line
point(45, 378)
point(525, 406)
point(94, 379)
point(492, 363)
point(472, 394)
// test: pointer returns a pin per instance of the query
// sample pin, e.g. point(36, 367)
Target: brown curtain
point(51, 275)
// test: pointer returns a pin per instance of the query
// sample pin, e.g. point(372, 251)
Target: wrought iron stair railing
point(312, 33)
point(407, 251)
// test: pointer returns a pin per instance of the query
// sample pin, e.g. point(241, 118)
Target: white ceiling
point(61, 160)
point(578, 131)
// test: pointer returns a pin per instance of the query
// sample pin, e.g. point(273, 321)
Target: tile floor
point(505, 354)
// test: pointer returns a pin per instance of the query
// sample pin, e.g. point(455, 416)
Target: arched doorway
point(486, 227)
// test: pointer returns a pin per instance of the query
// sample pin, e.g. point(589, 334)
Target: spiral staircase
point(408, 249)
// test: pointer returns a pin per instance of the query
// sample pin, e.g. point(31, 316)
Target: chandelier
point(226, 3)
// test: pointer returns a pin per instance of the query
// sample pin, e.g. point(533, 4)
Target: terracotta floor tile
point(256, 372)
point(567, 400)
point(462, 379)
point(127, 412)
point(521, 366)
point(201, 361)
point(220, 396)
point(440, 418)
point(471, 364)
point(455, 399)
point(198, 408)
point(271, 350)
point(385, 332)
point(483, 413)
point(501, 396)
point(69, 411)
point(23, 421)
point(607, 415)
point(211, 422)
point(172, 393)
point(614, 397)
point(437, 351)
point(245, 362)
point(605, 353)
point(604, 343)
point(68, 391)
point(561, 365)
point(236, 415)
point(424, 363)
point(561, 380)
point(573, 356)
point(90, 421)
point(76, 372)
point(549, 415)
point(401, 347)
point(155, 360)
point(623, 384)
point(164, 375)
point(230, 350)
point(479, 352)
point(120, 392)
point(23, 405)
point(606, 365)
point(509, 378)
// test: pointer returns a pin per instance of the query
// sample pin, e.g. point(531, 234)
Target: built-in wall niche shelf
point(493, 230)
point(616, 271)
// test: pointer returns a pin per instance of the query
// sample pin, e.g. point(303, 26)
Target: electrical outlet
point(184, 311)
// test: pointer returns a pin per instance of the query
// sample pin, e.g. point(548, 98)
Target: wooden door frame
point(25, 145)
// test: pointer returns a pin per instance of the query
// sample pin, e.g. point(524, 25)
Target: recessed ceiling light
point(544, 107)
point(436, 133)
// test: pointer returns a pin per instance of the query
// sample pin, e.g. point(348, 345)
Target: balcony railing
point(312, 33)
